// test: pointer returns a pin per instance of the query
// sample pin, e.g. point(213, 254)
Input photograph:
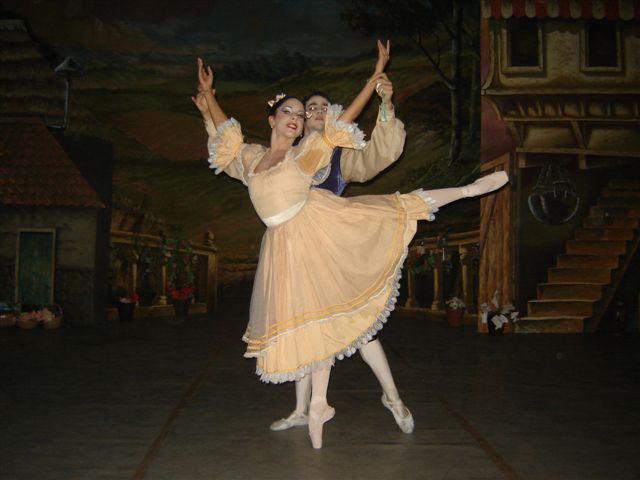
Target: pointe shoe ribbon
point(296, 419)
point(485, 184)
point(317, 419)
point(401, 413)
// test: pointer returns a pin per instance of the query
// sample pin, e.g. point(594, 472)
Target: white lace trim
point(354, 346)
point(333, 112)
point(321, 175)
point(213, 146)
point(432, 205)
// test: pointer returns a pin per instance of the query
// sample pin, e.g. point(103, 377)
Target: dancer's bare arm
point(358, 104)
point(205, 86)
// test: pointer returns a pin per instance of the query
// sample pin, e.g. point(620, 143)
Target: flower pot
point(125, 311)
point(26, 322)
point(181, 307)
point(454, 316)
point(8, 319)
point(491, 327)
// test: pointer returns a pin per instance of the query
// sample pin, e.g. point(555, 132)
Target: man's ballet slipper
point(485, 184)
point(296, 419)
point(401, 413)
point(317, 419)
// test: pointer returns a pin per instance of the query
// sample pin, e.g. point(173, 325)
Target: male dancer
point(348, 165)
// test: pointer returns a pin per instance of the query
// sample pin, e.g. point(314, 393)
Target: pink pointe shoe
point(318, 415)
point(485, 184)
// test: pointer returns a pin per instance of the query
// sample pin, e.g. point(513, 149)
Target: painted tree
point(431, 26)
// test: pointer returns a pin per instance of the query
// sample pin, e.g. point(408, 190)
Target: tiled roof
point(35, 170)
point(572, 9)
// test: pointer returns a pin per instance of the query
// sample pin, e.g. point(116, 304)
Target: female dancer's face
point(289, 118)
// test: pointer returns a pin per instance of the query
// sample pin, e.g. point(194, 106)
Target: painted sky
point(233, 28)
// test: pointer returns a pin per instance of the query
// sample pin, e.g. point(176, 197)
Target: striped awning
point(575, 9)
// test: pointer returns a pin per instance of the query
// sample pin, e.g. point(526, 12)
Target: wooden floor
point(168, 399)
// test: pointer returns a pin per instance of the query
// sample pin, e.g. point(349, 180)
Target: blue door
point(35, 267)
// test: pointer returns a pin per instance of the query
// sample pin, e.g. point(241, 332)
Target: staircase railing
point(592, 323)
point(438, 251)
point(143, 258)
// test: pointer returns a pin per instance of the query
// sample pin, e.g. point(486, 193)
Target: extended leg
point(298, 417)
point(483, 185)
point(373, 354)
point(319, 411)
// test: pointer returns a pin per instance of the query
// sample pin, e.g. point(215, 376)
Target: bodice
point(279, 189)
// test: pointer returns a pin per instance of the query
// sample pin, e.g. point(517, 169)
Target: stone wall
point(7, 282)
point(75, 232)
point(75, 292)
point(78, 271)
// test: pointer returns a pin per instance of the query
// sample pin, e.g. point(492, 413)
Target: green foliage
point(424, 264)
point(180, 261)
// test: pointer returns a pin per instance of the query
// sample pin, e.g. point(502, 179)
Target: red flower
point(180, 293)
point(131, 299)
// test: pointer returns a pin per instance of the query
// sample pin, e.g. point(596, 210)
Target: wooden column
point(132, 283)
point(495, 239)
point(437, 280)
point(212, 273)
point(410, 302)
point(465, 260)
point(162, 297)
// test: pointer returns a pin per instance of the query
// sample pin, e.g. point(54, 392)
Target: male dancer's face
point(316, 108)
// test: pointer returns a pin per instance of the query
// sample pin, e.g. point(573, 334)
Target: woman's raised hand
point(205, 77)
point(207, 93)
point(384, 88)
point(201, 102)
point(384, 53)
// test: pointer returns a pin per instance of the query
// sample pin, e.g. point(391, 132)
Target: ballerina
point(328, 272)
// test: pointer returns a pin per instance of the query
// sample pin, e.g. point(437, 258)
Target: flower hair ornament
point(279, 97)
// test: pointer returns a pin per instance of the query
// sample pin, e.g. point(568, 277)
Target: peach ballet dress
point(329, 267)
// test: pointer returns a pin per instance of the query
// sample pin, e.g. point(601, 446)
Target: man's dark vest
point(334, 181)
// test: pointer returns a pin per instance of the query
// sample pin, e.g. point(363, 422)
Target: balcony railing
point(449, 266)
point(139, 264)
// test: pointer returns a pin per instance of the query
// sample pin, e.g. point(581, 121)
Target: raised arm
point(205, 86)
point(383, 148)
point(358, 104)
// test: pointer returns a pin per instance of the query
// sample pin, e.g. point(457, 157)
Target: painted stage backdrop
point(133, 73)
point(551, 86)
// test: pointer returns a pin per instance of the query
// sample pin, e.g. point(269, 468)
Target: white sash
point(283, 216)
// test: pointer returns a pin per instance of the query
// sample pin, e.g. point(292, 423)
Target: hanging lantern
point(553, 200)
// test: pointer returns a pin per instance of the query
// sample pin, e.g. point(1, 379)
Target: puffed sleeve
point(384, 148)
point(314, 151)
point(227, 149)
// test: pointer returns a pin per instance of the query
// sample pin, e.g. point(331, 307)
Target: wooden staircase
point(583, 282)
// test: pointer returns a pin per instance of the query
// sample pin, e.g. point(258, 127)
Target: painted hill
point(161, 156)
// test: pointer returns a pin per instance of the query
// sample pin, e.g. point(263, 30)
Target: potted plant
point(455, 311)
point(49, 317)
point(150, 260)
point(8, 314)
point(181, 277)
point(496, 316)
point(181, 298)
point(126, 306)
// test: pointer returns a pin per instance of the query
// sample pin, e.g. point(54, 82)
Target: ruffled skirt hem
point(328, 280)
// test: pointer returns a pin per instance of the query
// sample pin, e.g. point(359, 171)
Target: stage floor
point(165, 399)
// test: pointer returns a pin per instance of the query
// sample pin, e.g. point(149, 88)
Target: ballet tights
point(374, 356)
point(443, 196)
